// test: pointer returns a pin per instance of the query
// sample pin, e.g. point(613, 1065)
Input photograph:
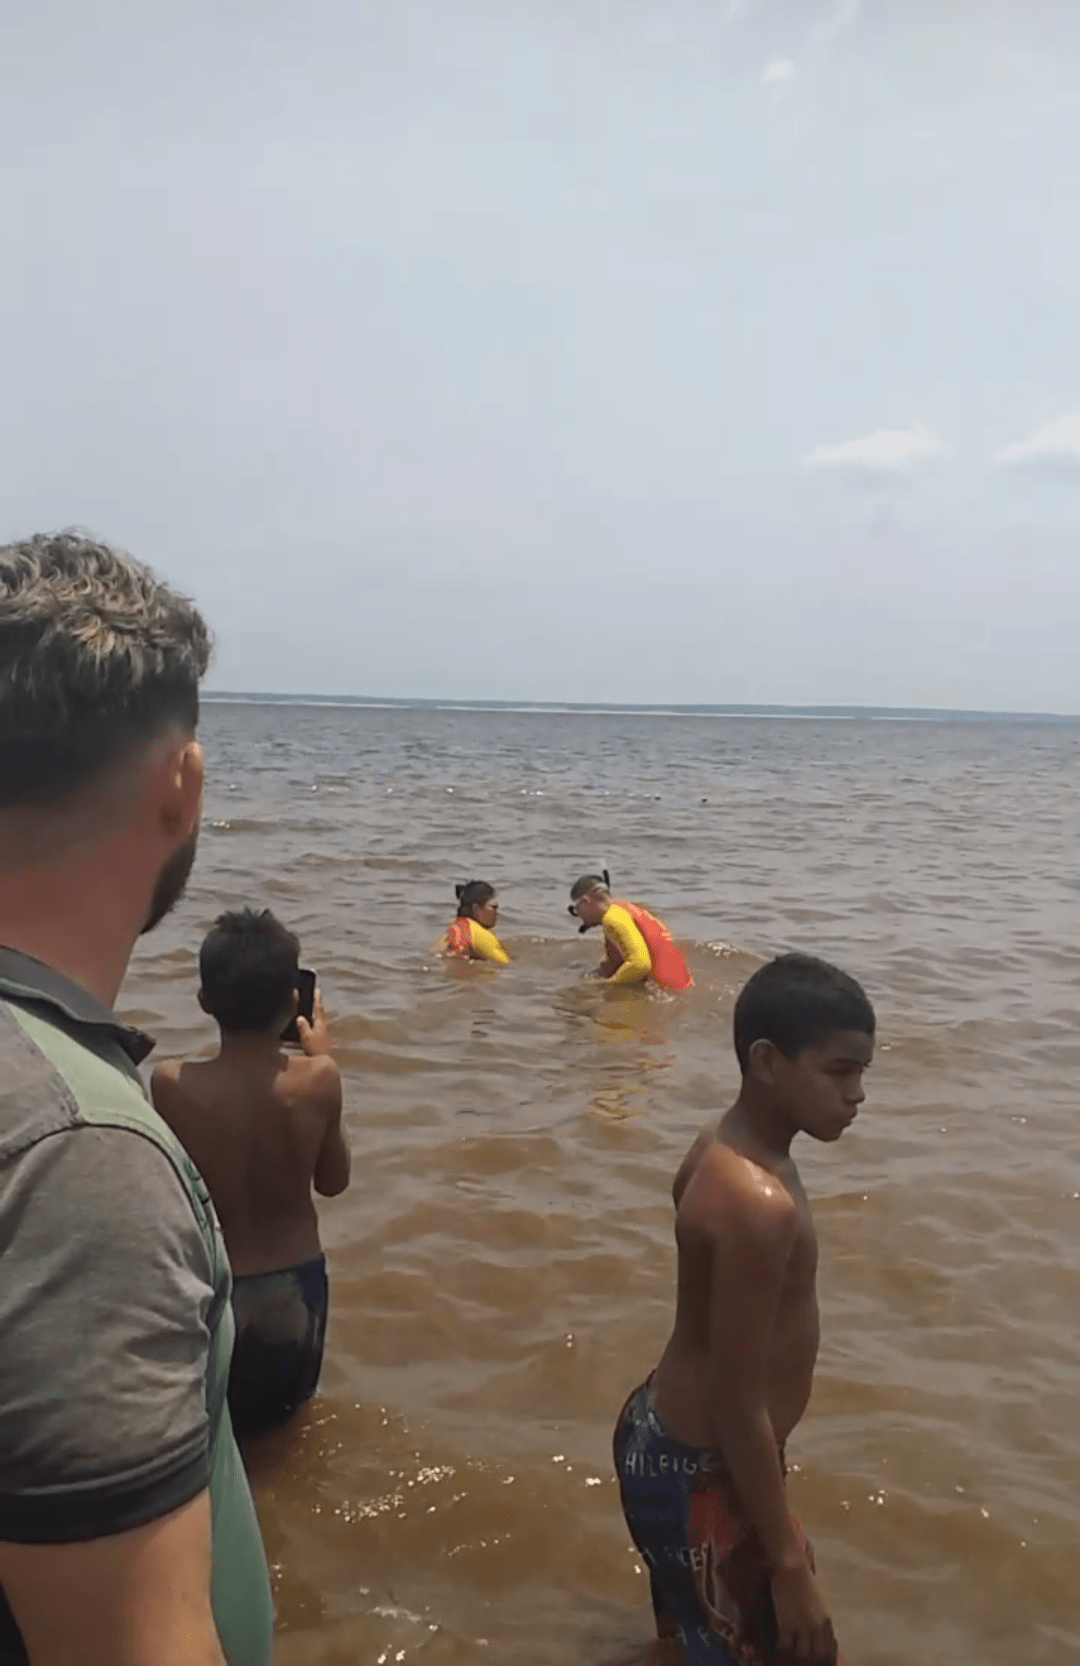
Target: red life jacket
point(669, 969)
point(458, 939)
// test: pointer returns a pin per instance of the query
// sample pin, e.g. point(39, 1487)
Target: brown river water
point(502, 1267)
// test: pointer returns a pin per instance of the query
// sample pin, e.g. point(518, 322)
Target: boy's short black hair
point(248, 965)
point(798, 1001)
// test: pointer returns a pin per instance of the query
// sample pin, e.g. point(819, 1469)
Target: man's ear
point(203, 1003)
point(182, 791)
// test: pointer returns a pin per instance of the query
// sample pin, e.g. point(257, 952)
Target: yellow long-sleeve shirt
point(486, 945)
point(620, 929)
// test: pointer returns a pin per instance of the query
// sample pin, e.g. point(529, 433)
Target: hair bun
point(459, 892)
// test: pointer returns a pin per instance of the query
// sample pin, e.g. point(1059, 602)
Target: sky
point(651, 351)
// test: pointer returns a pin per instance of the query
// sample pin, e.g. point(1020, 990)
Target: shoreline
point(832, 714)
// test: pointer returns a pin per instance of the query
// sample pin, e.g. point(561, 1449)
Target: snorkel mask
point(573, 908)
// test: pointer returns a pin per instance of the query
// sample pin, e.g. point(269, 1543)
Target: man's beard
point(171, 883)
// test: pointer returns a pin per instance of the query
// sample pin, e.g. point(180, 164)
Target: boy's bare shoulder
point(185, 1088)
point(171, 1075)
point(727, 1191)
point(316, 1074)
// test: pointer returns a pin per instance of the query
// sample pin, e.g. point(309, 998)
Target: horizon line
point(258, 697)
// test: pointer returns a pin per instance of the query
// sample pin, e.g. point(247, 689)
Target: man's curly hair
point(97, 657)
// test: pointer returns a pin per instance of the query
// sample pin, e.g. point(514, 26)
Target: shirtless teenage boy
point(262, 1124)
point(699, 1448)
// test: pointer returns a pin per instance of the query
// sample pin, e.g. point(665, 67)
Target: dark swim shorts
point(280, 1330)
point(707, 1567)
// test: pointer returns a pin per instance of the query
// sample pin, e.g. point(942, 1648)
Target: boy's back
point(262, 1130)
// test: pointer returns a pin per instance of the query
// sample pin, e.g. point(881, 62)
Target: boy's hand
point(806, 1632)
point(315, 1037)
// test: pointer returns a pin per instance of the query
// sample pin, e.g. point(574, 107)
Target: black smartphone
point(305, 988)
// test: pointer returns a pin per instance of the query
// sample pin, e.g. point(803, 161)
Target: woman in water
point(472, 935)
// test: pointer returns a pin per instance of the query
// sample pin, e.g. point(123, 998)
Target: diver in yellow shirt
point(472, 935)
point(638, 945)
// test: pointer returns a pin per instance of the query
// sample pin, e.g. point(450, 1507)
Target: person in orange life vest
point(472, 935)
point(639, 946)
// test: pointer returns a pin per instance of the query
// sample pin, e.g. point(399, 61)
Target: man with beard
point(127, 1531)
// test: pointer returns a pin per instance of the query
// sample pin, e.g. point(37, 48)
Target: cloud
point(777, 76)
point(833, 22)
point(780, 74)
point(736, 10)
point(889, 454)
point(1053, 450)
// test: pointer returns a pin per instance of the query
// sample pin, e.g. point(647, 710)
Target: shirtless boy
point(262, 1123)
point(699, 1448)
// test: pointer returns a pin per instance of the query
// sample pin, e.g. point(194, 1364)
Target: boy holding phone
point(262, 1124)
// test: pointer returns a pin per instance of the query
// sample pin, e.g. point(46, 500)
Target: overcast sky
point(660, 350)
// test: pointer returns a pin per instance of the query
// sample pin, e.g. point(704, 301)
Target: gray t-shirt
point(114, 1307)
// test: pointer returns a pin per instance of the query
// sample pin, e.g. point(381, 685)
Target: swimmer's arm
point(486, 946)
point(636, 959)
point(753, 1234)
point(141, 1597)
point(334, 1162)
